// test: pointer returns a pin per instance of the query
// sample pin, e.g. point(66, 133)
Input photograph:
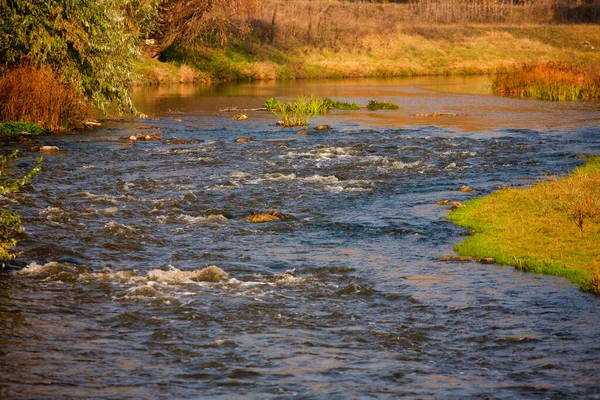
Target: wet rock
point(25, 141)
point(581, 156)
point(322, 127)
point(243, 140)
point(466, 189)
point(144, 136)
point(487, 260)
point(456, 258)
point(49, 149)
point(302, 132)
point(240, 117)
point(266, 217)
point(211, 273)
point(280, 123)
point(454, 204)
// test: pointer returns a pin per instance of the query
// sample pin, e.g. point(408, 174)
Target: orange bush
point(36, 95)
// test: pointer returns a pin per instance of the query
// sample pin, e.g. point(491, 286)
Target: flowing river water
point(346, 300)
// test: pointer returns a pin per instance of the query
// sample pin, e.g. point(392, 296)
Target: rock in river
point(266, 217)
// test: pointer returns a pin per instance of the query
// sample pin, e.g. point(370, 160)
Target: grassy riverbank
point(406, 51)
point(551, 228)
point(336, 39)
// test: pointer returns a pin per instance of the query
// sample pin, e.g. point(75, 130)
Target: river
point(345, 300)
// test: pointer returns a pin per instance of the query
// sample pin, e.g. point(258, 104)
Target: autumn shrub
point(37, 95)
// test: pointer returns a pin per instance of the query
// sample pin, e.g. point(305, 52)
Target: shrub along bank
point(552, 227)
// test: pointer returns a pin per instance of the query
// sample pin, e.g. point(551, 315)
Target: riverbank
point(551, 228)
point(395, 51)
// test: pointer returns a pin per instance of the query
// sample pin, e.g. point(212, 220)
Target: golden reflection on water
point(467, 101)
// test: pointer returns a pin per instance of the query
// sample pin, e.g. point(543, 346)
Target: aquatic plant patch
point(298, 112)
point(374, 105)
point(551, 228)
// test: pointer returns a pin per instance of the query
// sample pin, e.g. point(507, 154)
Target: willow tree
point(190, 21)
point(89, 44)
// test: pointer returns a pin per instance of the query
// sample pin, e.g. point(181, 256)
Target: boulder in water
point(49, 149)
point(322, 127)
point(243, 140)
point(211, 273)
point(240, 117)
point(266, 217)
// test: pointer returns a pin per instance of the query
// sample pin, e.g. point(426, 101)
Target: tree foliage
point(90, 44)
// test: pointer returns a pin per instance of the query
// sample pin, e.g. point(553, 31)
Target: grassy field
point(329, 39)
point(551, 228)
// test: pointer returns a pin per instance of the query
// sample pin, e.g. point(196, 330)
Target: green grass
point(551, 228)
point(14, 129)
point(298, 112)
point(340, 105)
point(374, 105)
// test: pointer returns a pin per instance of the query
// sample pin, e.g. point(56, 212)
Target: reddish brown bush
point(36, 95)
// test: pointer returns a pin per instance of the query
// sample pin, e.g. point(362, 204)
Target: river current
point(348, 299)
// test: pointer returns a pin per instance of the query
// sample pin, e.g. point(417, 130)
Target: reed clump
point(36, 95)
point(552, 227)
point(298, 112)
point(550, 81)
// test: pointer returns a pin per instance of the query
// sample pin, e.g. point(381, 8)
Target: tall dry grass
point(36, 95)
point(550, 81)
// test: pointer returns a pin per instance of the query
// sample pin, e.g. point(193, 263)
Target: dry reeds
point(36, 95)
point(550, 81)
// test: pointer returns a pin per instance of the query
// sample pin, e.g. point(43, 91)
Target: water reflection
point(468, 97)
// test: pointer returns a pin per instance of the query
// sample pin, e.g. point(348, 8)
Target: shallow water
point(347, 300)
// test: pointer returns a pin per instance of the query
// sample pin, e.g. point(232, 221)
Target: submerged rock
point(240, 117)
point(181, 141)
point(243, 140)
point(466, 189)
point(322, 127)
point(581, 156)
point(456, 258)
point(454, 204)
point(302, 132)
point(266, 217)
point(487, 260)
